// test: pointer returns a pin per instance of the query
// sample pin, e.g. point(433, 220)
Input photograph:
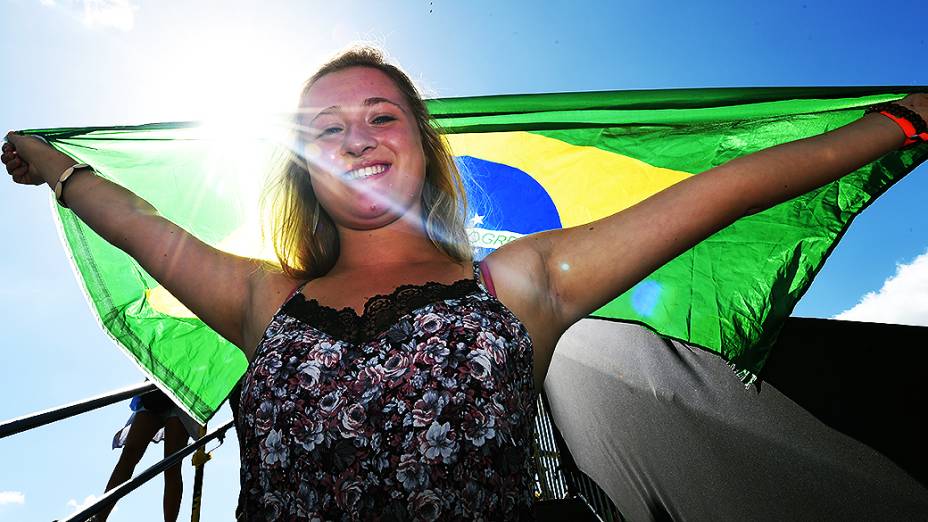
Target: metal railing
point(550, 483)
point(111, 496)
point(34, 420)
point(557, 476)
point(41, 418)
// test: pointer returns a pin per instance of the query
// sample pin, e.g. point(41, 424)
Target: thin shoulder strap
point(296, 290)
point(482, 275)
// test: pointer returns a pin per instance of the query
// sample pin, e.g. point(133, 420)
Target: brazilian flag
point(531, 163)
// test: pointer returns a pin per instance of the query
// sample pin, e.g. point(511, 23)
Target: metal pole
point(199, 460)
point(111, 496)
point(34, 420)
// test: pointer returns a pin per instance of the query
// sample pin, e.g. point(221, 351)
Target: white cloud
point(90, 499)
point(12, 497)
point(117, 14)
point(903, 299)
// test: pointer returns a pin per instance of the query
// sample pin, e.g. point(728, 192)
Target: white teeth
point(365, 172)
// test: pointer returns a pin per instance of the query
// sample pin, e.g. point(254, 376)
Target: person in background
point(154, 418)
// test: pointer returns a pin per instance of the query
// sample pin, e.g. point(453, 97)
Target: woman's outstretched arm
point(555, 278)
point(212, 284)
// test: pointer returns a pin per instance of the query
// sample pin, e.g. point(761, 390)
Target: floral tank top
point(422, 408)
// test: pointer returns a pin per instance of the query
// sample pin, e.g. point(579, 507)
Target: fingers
point(26, 145)
point(15, 166)
point(19, 170)
point(11, 138)
point(12, 161)
point(9, 151)
point(9, 156)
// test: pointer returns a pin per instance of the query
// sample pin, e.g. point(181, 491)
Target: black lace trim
point(380, 312)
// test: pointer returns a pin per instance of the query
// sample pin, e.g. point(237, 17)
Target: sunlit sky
point(111, 62)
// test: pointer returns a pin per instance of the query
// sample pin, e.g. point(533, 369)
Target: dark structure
point(865, 380)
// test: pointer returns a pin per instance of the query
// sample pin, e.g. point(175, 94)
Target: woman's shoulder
point(269, 276)
point(269, 287)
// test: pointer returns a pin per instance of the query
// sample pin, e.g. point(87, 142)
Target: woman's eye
point(380, 120)
point(329, 130)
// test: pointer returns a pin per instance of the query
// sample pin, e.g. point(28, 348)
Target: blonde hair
point(304, 235)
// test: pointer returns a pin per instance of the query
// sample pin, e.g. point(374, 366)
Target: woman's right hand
point(19, 169)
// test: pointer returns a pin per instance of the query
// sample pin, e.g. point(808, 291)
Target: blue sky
point(106, 62)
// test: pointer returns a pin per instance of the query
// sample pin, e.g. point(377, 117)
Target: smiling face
point(363, 148)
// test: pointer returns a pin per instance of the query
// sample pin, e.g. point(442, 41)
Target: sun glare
point(232, 79)
point(241, 91)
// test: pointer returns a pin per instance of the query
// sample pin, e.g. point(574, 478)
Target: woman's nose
point(358, 140)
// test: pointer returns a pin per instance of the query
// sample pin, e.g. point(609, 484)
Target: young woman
point(389, 377)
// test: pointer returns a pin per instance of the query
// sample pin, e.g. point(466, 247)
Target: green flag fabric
point(530, 163)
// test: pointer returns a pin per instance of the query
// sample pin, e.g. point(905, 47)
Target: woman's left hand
point(917, 102)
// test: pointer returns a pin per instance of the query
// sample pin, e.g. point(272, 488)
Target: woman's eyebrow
point(377, 99)
point(366, 103)
point(327, 110)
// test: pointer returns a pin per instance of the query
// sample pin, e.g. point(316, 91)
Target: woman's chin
point(372, 217)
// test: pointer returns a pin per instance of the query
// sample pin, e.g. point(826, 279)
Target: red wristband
point(908, 128)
